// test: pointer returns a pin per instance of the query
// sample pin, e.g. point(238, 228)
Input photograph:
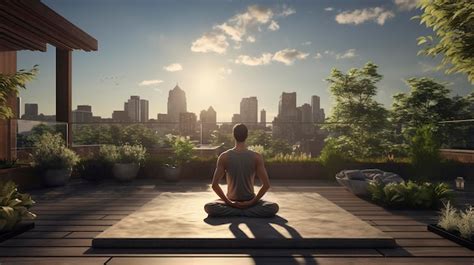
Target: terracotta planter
point(56, 177)
point(172, 174)
point(125, 171)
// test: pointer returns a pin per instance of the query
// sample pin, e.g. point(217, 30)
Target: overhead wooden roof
point(30, 25)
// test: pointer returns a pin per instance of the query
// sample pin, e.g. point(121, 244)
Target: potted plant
point(182, 149)
point(456, 225)
point(53, 159)
point(126, 159)
point(14, 207)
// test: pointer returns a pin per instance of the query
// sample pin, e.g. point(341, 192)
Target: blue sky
point(221, 51)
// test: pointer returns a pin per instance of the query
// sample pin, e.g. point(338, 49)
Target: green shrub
point(424, 153)
point(291, 158)
point(461, 222)
point(122, 154)
point(93, 168)
point(182, 150)
point(7, 163)
point(14, 206)
point(410, 194)
point(50, 152)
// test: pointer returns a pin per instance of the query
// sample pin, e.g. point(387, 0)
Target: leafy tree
point(358, 123)
point(453, 23)
point(259, 137)
point(218, 138)
point(9, 85)
point(429, 102)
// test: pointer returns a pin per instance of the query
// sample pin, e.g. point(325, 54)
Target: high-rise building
point(120, 116)
point(236, 118)
point(263, 117)
point(306, 119)
point(287, 107)
point(315, 107)
point(132, 107)
point(82, 114)
point(31, 109)
point(144, 116)
point(187, 123)
point(176, 103)
point(249, 110)
point(208, 119)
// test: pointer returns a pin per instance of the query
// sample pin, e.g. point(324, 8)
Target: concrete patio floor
point(70, 217)
point(305, 220)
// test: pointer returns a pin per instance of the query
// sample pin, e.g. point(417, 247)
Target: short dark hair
point(240, 132)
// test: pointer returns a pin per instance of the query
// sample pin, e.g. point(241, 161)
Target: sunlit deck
point(70, 217)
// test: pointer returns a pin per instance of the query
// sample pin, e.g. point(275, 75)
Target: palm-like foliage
point(14, 206)
point(410, 194)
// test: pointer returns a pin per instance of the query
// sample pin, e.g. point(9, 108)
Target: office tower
point(249, 110)
point(82, 114)
point(31, 109)
point(236, 118)
point(176, 103)
point(144, 117)
point(132, 107)
point(208, 120)
point(120, 116)
point(287, 107)
point(306, 119)
point(315, 106)
point(187, 123)
point(263, 117)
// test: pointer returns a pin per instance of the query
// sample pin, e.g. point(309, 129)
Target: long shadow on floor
point(264, 228)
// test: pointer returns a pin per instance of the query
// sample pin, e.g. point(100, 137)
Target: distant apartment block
point(82, 114)
point(187, 123)
point(263, 117)
point(249, 110)
point(144, 108)
point(176, 103)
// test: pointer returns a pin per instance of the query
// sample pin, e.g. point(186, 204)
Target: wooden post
point(8, 127)
point(64, 89)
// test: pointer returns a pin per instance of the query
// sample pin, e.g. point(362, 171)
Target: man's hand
point(243, 204)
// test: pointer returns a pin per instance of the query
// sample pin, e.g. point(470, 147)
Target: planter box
point(19, 229)
point(451, 236)
point(25, 177)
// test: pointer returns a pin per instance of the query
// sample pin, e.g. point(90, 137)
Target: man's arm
point(261, 172)
point(218, 175)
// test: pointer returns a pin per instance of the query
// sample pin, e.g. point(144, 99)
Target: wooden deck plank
point(285, 260)
point(428, 252)
point(70, 228)
point(63, 242)
point(82, 235)
point(55, 261)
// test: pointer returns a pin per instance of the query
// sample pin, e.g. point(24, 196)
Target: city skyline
point(222, 51)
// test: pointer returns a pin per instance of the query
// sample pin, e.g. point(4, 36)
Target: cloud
point(251, 39)
point(306, 43)
point(254, 61)
point(273, 26)
point(150, 82)
point(223, 72)
point(347, 54)
point(359, 16)
point(318, 56)
point(406, 5)
point(329, 9)
point(210, 42)
point(236, 28)
point(286, 56)
point(289, 56)
point(174, 67)
point(287, 11)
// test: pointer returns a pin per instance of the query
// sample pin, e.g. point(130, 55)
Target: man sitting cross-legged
point(240, 166)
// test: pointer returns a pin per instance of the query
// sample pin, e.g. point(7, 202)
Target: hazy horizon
point(222, 51)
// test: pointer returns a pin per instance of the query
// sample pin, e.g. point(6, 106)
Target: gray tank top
point(240, 175)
